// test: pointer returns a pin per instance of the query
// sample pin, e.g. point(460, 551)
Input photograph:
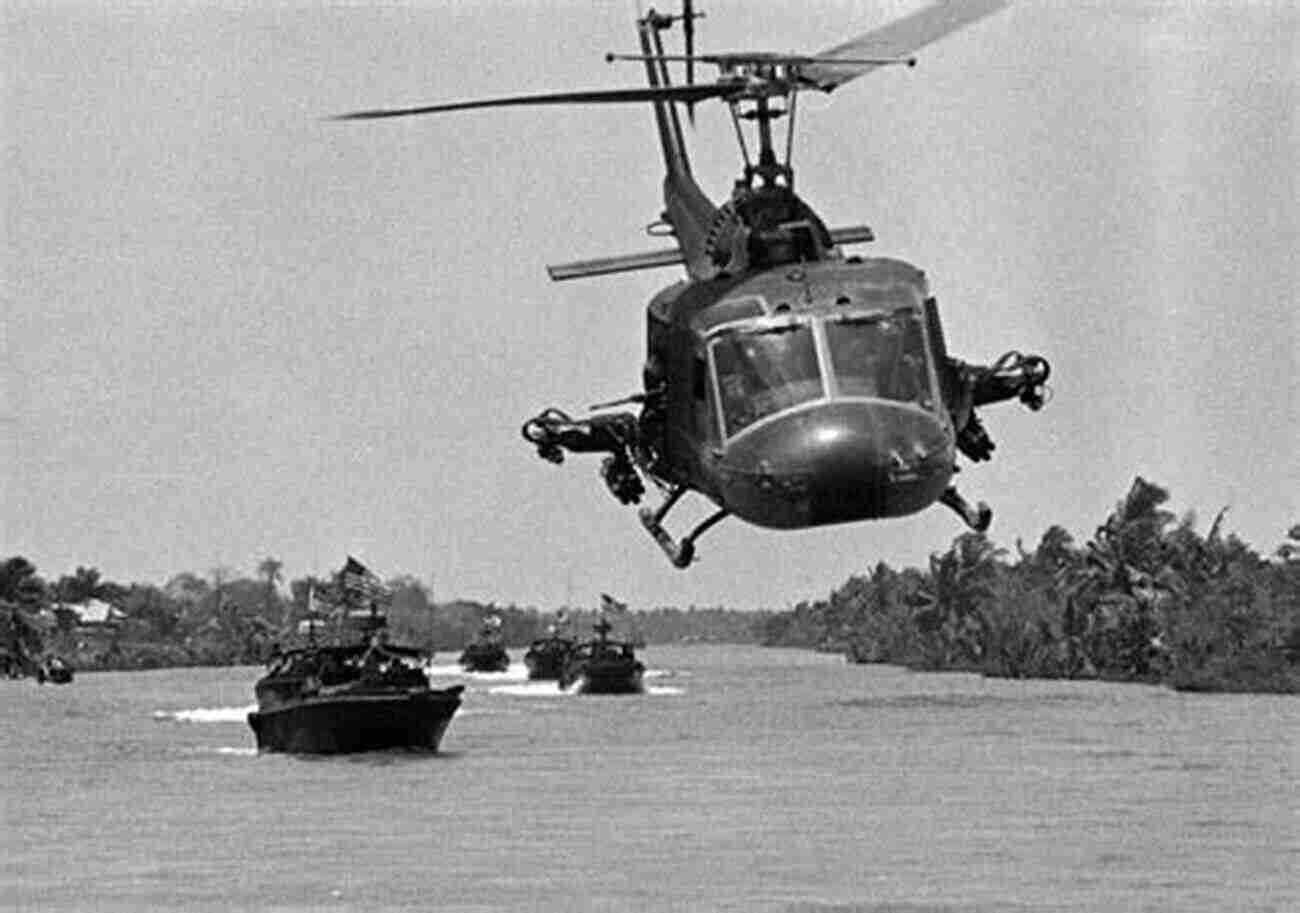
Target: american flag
point(611, 605)
point(358, 578)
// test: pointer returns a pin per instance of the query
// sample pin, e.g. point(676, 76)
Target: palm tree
point(949, 605)
point(1114, 594)
point(19, 584)
point(270, 569)
point(22, 595)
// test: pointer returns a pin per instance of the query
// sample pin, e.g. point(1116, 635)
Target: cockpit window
point(882, 356)
point(760, 372)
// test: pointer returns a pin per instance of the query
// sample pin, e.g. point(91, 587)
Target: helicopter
point(790, 383)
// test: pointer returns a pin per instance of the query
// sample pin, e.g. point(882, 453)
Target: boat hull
point(357, 722)
point(605, 678)
point(544, 669)
point(546, 662)
point(485, 658)
point(55, 676)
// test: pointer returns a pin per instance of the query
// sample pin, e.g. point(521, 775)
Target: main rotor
point(760, 87)
point(757, 85)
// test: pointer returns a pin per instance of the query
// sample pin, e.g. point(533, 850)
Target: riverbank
point(1270, 673)
point(1147, 599)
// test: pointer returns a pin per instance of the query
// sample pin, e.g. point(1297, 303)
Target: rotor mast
point(755, 82)
point(769, 169)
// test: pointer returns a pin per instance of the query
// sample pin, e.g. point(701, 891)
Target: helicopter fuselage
point(801, 395)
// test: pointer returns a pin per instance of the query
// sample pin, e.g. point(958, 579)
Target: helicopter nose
point(841, 461)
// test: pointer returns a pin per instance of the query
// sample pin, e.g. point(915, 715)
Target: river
point(747, 779)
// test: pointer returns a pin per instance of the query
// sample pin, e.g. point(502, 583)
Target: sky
point(233, 328)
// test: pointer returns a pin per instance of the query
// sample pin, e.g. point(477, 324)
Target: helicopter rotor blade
point(595, 96)
point(896, 40)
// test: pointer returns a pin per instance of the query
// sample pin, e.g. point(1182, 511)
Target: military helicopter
point(790, 383)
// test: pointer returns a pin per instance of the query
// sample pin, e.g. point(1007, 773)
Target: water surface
point(746, 780)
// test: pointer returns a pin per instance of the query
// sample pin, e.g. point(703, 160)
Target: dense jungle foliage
point(1146, 599)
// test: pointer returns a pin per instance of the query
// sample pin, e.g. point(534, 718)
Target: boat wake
point(531, 689)
point(240, 752)
point(551, 689)
point(206, 715)
point(204, 751)
point(516, 673)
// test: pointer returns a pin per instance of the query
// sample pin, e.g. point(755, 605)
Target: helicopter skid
point(978, 518)
point(682, 553)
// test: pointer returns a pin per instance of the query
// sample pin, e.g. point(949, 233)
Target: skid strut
point(978, 518)
point(682, 553)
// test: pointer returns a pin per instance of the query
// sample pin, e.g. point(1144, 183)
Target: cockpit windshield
point(763, 371)
point(882, 356)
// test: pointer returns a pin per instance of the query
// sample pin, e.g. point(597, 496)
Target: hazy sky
point(233, 329)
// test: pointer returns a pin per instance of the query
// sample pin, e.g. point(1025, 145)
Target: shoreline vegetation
point(1146, 599)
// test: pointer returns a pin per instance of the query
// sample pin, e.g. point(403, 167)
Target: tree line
point(1147, 598)
point(227, 618)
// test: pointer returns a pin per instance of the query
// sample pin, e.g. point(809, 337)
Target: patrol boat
point(487, 652)
point(603, 666)
point(365, 696)
point(547, 655)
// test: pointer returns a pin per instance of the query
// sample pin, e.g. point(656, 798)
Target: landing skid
point(682, 553)
point(978, 518)
point(554, 433)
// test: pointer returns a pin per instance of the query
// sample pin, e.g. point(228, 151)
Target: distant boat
point(364, 696)
point(53, 669)
point(487, 652)
point(603, 666)
point(546, 656)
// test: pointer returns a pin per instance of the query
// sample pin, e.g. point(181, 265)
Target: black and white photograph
point(749, 456)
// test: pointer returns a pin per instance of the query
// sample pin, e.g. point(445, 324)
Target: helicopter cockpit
point(880, 356)
point(766, 366)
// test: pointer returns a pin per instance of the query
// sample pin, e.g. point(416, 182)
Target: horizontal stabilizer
point(603, 266)
point(852, 234)
point(580, 269)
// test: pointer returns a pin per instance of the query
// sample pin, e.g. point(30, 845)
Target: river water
point(746, 779)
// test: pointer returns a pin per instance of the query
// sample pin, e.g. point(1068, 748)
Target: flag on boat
point(355, 573)
point(358, 578)
point(609, 604)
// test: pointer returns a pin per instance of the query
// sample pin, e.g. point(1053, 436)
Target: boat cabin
point(299, 673)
